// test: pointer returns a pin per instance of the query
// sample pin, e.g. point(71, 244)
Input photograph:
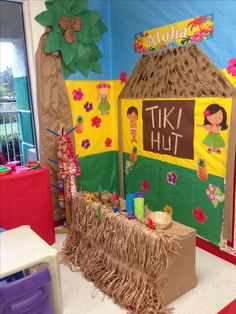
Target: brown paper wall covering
point(53, 109)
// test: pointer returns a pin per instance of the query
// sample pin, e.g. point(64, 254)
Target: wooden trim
point(229, 188)
point(120, 149)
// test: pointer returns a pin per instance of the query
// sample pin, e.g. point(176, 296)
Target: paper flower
point(114, 197)
point(231, 68)
point(145, 186)
point(168, 209)
point(77, 94)
point(172, 177)
point(214, 194)
point(198, 36)
point(207, 27)
point(85, 144)
point(123, 77)
point(108, 142)
point(88, 106)
point(211, 197)
point(96, 121)
point(74, 32)
point(211, 188)
point(68, 168)
point(199, 215)
point(206, 113)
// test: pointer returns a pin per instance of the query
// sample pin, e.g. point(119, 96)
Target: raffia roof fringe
point(123, 258)
point(176, 72)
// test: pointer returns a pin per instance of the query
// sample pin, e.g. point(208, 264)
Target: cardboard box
point(181, 273)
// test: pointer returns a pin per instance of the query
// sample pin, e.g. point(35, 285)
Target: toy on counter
point(130, 203)
point(4, 170)
point(161, 219)
point(33, 165)
point(131, 216)
point(139, 207)
point(114, 200)
point(150, 224)
point(105, 197)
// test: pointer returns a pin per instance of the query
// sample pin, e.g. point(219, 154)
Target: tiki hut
point(177, 86)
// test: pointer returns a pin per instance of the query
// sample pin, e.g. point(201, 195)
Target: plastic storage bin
point(29, 295)
point(23, 249)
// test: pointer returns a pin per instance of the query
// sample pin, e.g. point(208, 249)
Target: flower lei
point(68, 169)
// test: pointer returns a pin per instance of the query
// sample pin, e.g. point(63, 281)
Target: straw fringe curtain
point(122, 257)
point(54, 111)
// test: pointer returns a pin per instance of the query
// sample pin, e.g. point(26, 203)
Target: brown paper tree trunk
point(53, 110)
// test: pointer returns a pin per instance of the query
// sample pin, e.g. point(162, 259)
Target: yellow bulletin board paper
point(216, 163)
point(102, 135)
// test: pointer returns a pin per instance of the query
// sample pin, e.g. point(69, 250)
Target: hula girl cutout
point(132, 114)
point(214, 122)
point(104, 105)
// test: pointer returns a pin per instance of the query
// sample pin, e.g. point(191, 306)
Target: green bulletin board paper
point(187, 194)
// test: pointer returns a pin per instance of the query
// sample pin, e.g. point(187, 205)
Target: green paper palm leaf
point(82, 54)
point(53, 42)
point(98, 30)
point(88, 54)
point(90, 18)
point(68, 51)
point(45, 18)
point(79, 7)
point(96, 67)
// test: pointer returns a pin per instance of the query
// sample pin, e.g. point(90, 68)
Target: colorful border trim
point(215, 250)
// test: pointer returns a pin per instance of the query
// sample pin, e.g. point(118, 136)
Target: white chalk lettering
point(163, 143)
point(159, 118)
point(176, 141)
point(179, 118)
point(152, 113)
point(155, 141)
point(165, 118)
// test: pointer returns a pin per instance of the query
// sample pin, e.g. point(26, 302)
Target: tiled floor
point(216, 288)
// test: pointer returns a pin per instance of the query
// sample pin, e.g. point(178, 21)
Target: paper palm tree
point(74, 32)
point(196, 22)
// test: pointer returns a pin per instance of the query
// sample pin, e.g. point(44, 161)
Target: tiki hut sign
point(168, 127)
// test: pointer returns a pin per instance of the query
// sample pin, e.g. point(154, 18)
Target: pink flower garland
point(68, 166)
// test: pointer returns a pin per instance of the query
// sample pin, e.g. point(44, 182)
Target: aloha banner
point(173, 35)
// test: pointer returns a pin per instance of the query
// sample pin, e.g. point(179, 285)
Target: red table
point(25, 199)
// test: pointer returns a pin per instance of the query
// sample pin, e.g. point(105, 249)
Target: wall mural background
point(97, 145)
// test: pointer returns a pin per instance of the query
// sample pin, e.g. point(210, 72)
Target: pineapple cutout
point(132, 160)
point(133, 155)
point(79, 124)
point(202, 172)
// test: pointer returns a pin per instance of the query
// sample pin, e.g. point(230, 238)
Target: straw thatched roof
point(178, 72)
